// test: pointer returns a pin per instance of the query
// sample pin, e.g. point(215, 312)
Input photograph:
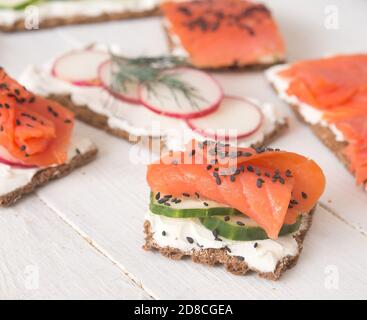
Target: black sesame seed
point(288, 173)
point(232, 178)
point(190, 240)
point(295, 202)
point(197, 195)
point(247, 154)
point(250, 168)
point(22, 148)
point(205, 204)
point(240, 258)
point(167, 204)
point(164, 233)
point(186, 194)
point(259, 182)
point(227, 249)
point(162, 200)
point(227, 218)
point(240, 223)
point(304, 195)
point(168, 196)
point(209, 166)
point(255, 245)
point(157, 196)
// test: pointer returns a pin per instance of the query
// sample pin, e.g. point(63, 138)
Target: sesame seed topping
point(304, 195)
point(190, 240)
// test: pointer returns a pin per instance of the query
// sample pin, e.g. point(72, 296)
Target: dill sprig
point(148, 71)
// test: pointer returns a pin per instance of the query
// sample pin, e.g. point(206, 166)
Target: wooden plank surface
point(44, 258)
point(105, 202)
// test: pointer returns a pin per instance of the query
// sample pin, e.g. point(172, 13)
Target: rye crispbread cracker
point(43, 176)
point(232, 264)
point(80, 19)
point(327, 137)
point(99, 121)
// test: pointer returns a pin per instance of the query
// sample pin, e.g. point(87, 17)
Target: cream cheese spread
point(134, 119)
point(262, 257)
point(68, 9)
point(309, 113)
point(12, 178)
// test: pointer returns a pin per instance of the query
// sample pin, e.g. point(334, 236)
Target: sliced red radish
point(9, 160)
point(235, 118)
point(129, 93)
point(161, 99)
point(80, 67)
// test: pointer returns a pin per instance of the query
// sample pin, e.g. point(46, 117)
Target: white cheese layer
point(134, 119)
point(309, 113)
point(14, 178)
point(263, 258)
point(69, 9)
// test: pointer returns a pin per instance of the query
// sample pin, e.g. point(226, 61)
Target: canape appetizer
point(330, 95)
point(244, 208)
point(155, 98)
point(215, 34)
point(36, 141)
point(50, 13)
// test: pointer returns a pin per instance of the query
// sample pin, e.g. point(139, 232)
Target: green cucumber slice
point(16, 4)
point(189, 207)
point(242, 228)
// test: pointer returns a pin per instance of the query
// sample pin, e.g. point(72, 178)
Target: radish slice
point(160, 99)
point(129, 94)
point(236, 118)
point(9, 160)
point(80, 67)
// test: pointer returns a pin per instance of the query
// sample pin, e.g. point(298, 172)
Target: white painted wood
point(114, 220)
point(106, 200)
point(44, 258)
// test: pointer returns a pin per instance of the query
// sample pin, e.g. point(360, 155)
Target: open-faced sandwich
point(36, 141)
point(248, 209)
point(214, 34)
point(18, 15)
point(151, 97)
point(330, 95)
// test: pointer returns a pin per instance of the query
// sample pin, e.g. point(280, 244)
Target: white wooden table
point(81, 237)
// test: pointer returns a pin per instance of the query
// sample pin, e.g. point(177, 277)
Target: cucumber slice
point(16, 4)
point(188, 207)
point(242, 228)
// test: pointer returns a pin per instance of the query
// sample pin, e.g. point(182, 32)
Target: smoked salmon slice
point(337, 86)
point(34, 130)
point(224, 33)
point(271, 187)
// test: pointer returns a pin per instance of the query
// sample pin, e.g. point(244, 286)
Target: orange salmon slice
point(270, 187)
point(34, 130)
point(223, 33)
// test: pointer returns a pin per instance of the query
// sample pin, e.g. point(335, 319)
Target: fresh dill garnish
point(149, 72)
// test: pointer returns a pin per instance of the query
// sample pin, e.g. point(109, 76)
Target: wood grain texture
point(106, 201)
point(116, 226)
point(43, 258)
